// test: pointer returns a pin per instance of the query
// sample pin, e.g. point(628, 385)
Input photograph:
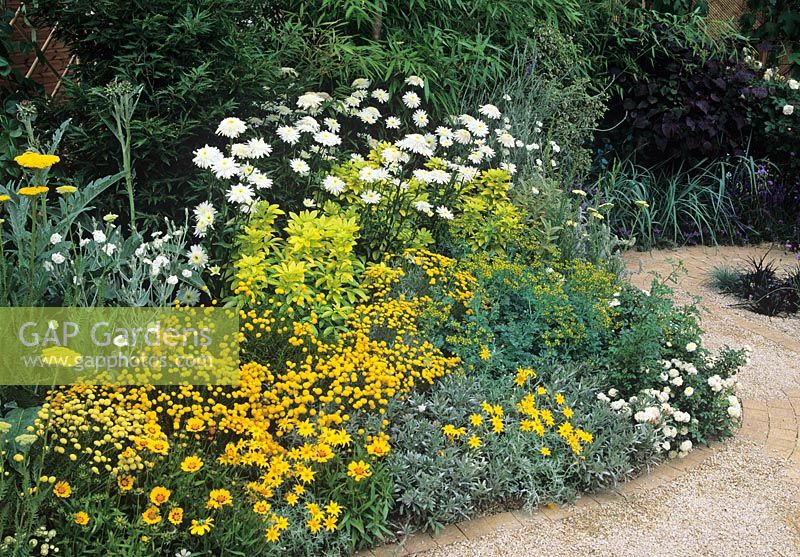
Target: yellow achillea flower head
point(33, 191)
point(4, 198)
point(29, 159)
point(61, 356)
point(63, 190)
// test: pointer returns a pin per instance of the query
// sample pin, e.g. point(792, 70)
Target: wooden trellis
point(57, 55)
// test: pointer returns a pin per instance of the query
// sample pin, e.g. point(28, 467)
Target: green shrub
point(197, 64)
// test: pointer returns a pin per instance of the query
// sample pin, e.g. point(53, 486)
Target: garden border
point(773, 423)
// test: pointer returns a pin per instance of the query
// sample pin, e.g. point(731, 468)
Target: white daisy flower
point(352, 101)
point(393, 122)
point(197, 257)
point(259, 148)
point(231, 127)
point(478, 127)
point(307, 124)
point(380, 95)
point(332, 124)
point(506, 140)
point(423, 207)
point(490, 111)
point(415, 143)
point(329, 139)
point(415, 81)
point(369, 115)
point(361, 83)
point(205, 211)
point(310, 100)
point(371, 197)
point(462, 136)
point(439, 176)
point(288, 134)
point(240, 150)
point(333, 185)
point(444, 212)
point(226, 167)
point(420, 118)
point(446, 141)
point(241, 194)
point(300, 166)
point(206, 156)
point(260, 181)
point(411, 99)
point(391, 155)
point(443, 131)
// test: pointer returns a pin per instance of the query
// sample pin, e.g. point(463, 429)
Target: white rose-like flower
point(99, 236)
point(172, 280)
point(688, 391)
point(55, 238)
point(231, 127)
point(735, 411)
point(691, 347)
point(788, 109)
point(57, 258)
point(686, 446)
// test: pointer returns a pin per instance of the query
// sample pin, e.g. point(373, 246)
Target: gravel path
point(744, 499)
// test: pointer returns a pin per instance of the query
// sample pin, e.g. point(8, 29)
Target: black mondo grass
point(759, 287)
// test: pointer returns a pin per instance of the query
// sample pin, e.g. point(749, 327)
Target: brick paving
point(772, 422)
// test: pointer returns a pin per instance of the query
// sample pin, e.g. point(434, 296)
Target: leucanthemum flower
point(332, 124)
point(415, 143)
point(240, 150)
point(310, 100)
point(207, 156)
point(307, 124)
point(231, 127)
point(490, 111)
point(241, 194)
point(226, 167)
point(288, 134)
point(197, 257)
point(411, 99)
point(259, 148)
point(333, 185)
point(393, 122)
point(369, 174)
point(444, 212)
point(423, 207)
point(329, 139)
point(478, 127)
point(380, 95)
point(300, 166)
point(371, 197)
point(462, 136)
point(415, 81)
point(420, 118)
point(259, 180)
point(361, 83)
point(369, 115)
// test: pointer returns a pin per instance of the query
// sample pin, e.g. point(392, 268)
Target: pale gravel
point(738, 502)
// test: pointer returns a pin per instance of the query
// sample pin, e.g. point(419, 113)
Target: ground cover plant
point(760, 286)
point(411, 355)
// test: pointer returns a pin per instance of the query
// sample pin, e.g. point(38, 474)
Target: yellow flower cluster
point(29, 159)
point(531, 415)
